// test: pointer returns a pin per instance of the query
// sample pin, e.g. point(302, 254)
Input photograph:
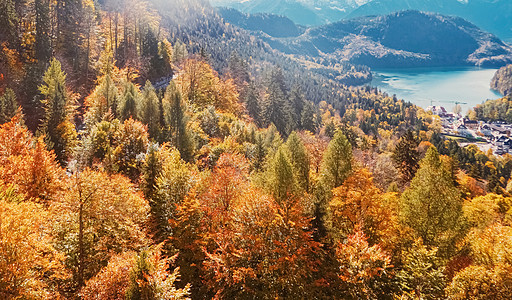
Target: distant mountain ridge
point(273, 25)
point(494, 16)
point(308, 13)
point(404, 39)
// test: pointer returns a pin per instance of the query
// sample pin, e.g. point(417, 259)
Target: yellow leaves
point(492, 246)
point(360, 263)
point(201, 86)
point(28, 261)
point(358, 203)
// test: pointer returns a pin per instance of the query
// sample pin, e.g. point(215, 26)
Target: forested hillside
point(148, 150)
point(405, 39)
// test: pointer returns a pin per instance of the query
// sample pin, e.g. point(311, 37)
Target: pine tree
point(259, 154)
point(103, 100)
point(176, 122)
point(252, 103)
point(298, 102)
point(8, 22)
point(308, 120)
point(276, 109)
point(57, 126)
point(43, 44)
point(150, 172)
point(69, 18)
point(129, 102)
point(406, 156)
point(150, 114)
point(8, 106)
point(432, 205)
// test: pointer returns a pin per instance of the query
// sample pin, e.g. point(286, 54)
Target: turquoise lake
point(439, 86)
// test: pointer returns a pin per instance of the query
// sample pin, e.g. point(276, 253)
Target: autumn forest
point(150, 150)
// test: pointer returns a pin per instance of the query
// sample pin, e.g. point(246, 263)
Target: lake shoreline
point(442, 86)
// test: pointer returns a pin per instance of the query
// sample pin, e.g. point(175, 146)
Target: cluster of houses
point(490, 135)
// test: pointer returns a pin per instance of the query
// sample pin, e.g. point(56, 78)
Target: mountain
point(404, 39)
point(384, 7)
point(273, 25)
point(502, 80)
point(494, 16)
point(491, 15)
point(307, 13)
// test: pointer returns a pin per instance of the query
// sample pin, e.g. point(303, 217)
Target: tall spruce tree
point(297, 102)
point(150, 110)
point(129, 102)
point(252, 103)
point(43, 44)
point(176, 122)
point(8, 22)
point(8, 106)
point(406, 156)
point(276, 108)
point(57, 123)
point(103, 100)
point(281, 181)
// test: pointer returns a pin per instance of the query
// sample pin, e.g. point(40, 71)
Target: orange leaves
point(112, 281)
point(263, 246)
point(99, 215)
point(26, 163)
point(361, 265)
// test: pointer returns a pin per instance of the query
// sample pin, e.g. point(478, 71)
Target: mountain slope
point(273, 25)
point(491, 15)
point(405, 39)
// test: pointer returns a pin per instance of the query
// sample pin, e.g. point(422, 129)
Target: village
point(494, 136)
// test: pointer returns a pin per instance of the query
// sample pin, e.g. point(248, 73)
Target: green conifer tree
point(57, 125)
point(406, 156)
point(8, 106)
point(176, 122)
point(337, 162)
point(150, 113)
point(281, 181)
point(130, 101)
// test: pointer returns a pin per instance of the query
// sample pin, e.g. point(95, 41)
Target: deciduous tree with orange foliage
point(363, 269)
point(25, 162)
point(264, 252)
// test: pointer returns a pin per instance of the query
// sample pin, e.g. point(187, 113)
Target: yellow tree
point(201, 86)
point(357, 203)
point(29, 264)
point(100, 215)
point(132, 276)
